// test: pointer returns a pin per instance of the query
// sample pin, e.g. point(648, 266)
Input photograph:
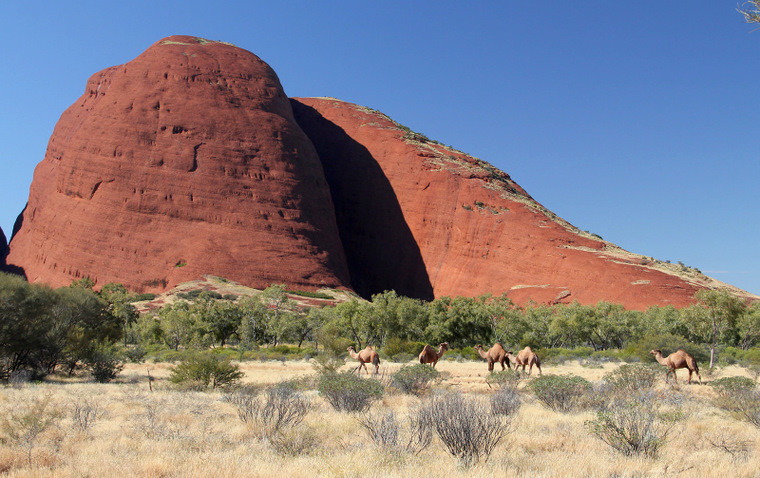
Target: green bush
point(560, 355)
point(504, 378)
point(561, 393)
point(349, 392)
point(201, 370)
point(135, 354)
point(633, 424)
point(630, 378)
point(105, 362)
point(142, 297)
point(415, 379)
point(732, 392)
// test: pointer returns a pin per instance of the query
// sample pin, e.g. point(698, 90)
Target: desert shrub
point(384, 430)
point(633, 424)
point(199, 370)
point(281, 406)
point(415, 379)
point(105, 362)
point(466, 427)
point(84, 413)
point(731, 385)
point(349, 392)
point(294, 441)
point(327, 363)
point(504, 378)
point(505, 401)
point(735, 395)
point(630, 378)
point(135, 354)
point(230, 297)
point(24, 424)
point(561, 393)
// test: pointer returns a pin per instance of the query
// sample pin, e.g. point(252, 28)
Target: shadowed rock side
point(476, 230)
point(3, 250)
point(183, 162)
point(381, 251)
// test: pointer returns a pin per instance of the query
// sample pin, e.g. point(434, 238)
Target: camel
point(675, 361)
point(429, 355)
point(364, 357)
point(525, 357)
point(494, 354)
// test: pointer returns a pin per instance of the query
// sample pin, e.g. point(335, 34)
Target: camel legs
point(490, 366)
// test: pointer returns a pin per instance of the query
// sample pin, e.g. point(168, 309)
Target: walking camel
point(429, 355)
point(676, 360)
point(525, 357)
point(364, 357)
point(494, 354)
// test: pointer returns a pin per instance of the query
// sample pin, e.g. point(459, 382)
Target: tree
point(176, 324)
point(751, 11)
point(721, 311)
point(748, 326)
point(118, 298)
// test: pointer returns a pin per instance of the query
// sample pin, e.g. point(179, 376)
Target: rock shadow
point(380, 249)
point(5, 249)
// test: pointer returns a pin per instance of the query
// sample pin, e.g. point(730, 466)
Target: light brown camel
point(429, 355)
point(494, 354)
point(364, 357)
point(525, 357)
point(677, 360)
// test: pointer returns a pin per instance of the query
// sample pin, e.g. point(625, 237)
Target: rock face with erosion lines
point(183, 162)
point(454, 225)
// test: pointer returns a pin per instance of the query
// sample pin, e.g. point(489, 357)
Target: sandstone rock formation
point(433, 221)
point(183, 162)
point(190, 160)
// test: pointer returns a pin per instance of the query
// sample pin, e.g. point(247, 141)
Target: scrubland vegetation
point(253, 386)
point(277, 419)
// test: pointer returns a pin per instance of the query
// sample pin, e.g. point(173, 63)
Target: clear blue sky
point(638, 121)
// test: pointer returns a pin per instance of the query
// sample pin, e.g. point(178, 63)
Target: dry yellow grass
point(169, 433)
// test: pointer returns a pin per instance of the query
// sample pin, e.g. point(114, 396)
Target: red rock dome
point(183, 162)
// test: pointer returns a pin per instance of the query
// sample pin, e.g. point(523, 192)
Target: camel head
point(444, 345)
point(655, 352)
point(478, 347)
point(351, 348)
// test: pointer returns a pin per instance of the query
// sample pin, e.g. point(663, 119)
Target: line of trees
point(390, 321)
point(44, 329)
